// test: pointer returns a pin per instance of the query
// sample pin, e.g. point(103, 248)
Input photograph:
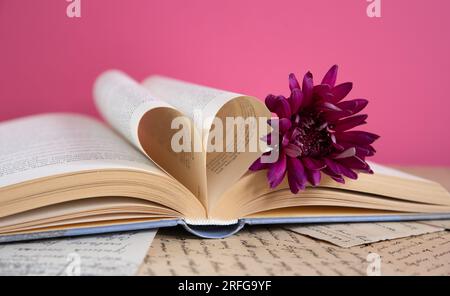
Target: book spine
point(210, 222)
point(209, 230)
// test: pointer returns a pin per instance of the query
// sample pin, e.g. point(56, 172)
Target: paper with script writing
point(109, 254)
point(352, 234)
point(439, 223)
point(276, 251)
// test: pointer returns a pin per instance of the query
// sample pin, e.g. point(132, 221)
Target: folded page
point(232, 122)
point(145, 121)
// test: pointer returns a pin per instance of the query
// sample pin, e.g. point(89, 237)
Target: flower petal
point(335, 177)
point(330, 77)
point(337, 146)
point(332, 116)
point(278, 105)
point(284, 124)
point(341, 91)
point(349, 108)
point(293, 82)
point(285, 139)
point(296, 174)
point(313, 164)
point(349, 123)
point(277, 171)
point(282, 108)
point(322, 92)
point(333, 138)
point(307, 88)
point(258, 165)
point(361, 151)
point(370, 148)
point(271, 101)
point(355, 163)
point(328, 106)
point(314, 177)
point(332, 166)
point(359, 138)
point(353, 106)
point(347, 172)
point(347, 153)
point(292, 150)
point(322, 89)
point(295, 100)
point(338, 179)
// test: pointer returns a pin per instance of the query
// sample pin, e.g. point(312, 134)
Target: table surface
point(274, 250)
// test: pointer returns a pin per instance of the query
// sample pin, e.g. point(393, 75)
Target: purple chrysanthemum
point(314, 133)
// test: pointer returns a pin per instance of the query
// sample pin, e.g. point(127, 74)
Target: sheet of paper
point(438, 223)
point(108, 254)
point(352, 234)
point(276, 251)
point(427, 254)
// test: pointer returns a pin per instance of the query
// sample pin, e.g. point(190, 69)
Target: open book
point(69, 174)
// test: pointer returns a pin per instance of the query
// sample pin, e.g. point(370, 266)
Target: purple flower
point(315, 133)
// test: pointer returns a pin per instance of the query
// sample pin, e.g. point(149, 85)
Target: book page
point(118, 254)
point(123, 102)
point(201, 104)
point(50, 144)
point(195, 101)
point(83, 211)
point(384, 170)
point(145, 121)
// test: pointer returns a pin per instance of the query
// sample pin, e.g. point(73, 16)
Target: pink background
point(400, 62)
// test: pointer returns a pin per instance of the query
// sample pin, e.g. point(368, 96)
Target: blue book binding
point(220, 231)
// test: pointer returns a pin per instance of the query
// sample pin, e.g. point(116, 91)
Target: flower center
point(311, 135)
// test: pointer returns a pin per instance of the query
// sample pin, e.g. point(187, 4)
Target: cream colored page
point(50, 144)
point(145, 121)
point(276, 251)
point(225, 168)
point(87, 209)
point(383, 170)
point(201, 104)
point(123, 102)
point(101, 255)
point(194, 101)
point(353, 234)
point(426, 254)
